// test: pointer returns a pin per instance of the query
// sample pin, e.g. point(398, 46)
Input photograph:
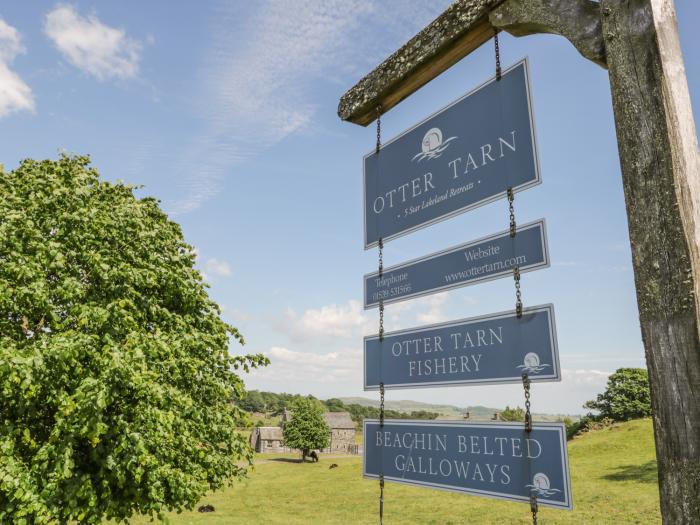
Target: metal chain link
point(379, 128)
point(518, 293)
point(381, 298)
point(511, 211)
point(528, 416)
point(381, 476)
point(533, 508)
point(528, 428)
point(498, 54)
point(381, 257)
point(381, 404)
point(381, 499)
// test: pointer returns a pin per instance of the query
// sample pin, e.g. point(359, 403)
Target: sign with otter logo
point(465, 155)
point(498, 460)
point(477, 261)
point(491, 349)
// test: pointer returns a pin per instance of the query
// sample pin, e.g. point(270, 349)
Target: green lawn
point(613, 472)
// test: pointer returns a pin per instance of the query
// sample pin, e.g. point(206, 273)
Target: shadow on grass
point(288, 460)
point(646, 473)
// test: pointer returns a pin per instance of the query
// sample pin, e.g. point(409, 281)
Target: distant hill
point(451, 411)
point(414, 406)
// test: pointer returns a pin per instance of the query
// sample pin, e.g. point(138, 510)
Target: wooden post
point(661, 177)
point(637, 40)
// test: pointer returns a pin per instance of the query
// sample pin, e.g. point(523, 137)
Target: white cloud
point(88, 44)
point(328, 322)
point(350, 322)
point(217, 268)
point(435, 312)
point(15, 94)
point(259, 81)
point(323, 374)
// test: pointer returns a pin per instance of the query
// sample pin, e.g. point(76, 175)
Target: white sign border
point(544, 378)
point(524, 269)
point(560, 427)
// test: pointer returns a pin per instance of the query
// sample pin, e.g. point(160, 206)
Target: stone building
point(267, 440)
point(342, 430)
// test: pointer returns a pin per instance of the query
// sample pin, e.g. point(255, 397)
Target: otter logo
point(531, 364)
point(432, 145)
point(541, 486)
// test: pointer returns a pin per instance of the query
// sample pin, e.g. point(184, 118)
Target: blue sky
point(226, 111)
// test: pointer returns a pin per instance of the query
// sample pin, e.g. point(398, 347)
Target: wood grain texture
point(661, 194)
point(576, 20)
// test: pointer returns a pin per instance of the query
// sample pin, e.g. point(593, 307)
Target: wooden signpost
point(637, 41)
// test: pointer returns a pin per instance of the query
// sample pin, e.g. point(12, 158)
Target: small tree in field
point(513, 414)
point(627, 396)
point(115, 376)
point(307, 430)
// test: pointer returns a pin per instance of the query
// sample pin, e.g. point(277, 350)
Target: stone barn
point(342, 433)
point(267, 440)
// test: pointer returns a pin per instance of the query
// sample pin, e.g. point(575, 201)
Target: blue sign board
point(499, 460)
point(491, 349)
point(465, 155)
point(482, 260)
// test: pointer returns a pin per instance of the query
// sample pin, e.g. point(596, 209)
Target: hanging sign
point(482, 260)
point(492, 349)
point(465, 155)
point(498, 460)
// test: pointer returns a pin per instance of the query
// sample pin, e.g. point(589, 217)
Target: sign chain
point(379, 129)
point(516, 270)
point(498, 54)
point(528, 416)
point(511, 211)
point(381, 328)
point(533, 508)
point(518, 293)
point(381, 298)
point(381, 475)
point(528, 429)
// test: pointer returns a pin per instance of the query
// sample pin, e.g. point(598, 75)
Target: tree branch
point(579, 21)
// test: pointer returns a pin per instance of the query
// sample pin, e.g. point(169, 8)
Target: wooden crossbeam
point(462, 28)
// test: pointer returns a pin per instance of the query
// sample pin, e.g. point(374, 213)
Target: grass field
point(613, 474)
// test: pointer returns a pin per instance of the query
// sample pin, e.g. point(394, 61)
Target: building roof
point(338, 420)
point(270, 433)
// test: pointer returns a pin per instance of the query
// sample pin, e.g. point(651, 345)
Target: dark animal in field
point(206, 508)
point(313, 456)
point(334, 465)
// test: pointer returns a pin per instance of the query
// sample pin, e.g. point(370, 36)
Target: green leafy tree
point(307, 430)
point(627, 396)
point(334, 405)
point(115, 376)
point(513, 414)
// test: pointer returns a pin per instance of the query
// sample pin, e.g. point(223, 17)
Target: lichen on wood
point(579, 21)
point(463, 27)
